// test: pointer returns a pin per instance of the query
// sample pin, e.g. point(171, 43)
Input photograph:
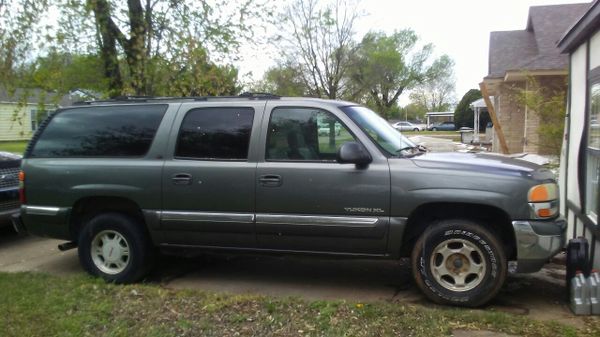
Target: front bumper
point(537, 242)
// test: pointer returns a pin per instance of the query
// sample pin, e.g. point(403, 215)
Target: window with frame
point(100, 131)
point(592, 174)
point(305, 134)
point(215, 134)
point(34, 119)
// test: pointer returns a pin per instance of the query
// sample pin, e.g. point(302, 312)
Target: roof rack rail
point(141, 99)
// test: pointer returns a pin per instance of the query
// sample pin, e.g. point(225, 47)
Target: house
point(435, 117)
point(23, 110)
point(519, 55)
point(580, 157)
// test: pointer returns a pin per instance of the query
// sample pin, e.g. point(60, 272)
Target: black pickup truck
point(10, 165)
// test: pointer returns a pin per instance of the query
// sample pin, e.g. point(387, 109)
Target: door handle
point(270, 180)
point(181, 179)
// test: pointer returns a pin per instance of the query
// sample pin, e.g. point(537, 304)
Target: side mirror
point(353, 153)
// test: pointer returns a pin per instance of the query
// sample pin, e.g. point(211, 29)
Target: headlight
point(543, 200)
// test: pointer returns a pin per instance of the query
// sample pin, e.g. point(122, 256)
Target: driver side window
point(305, 134)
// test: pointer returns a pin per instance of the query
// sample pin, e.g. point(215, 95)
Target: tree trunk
point(135, 47)
point(108, 46)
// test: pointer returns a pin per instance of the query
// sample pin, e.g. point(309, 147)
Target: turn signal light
point(545, 213)
point(543, 192)
point(22, 198)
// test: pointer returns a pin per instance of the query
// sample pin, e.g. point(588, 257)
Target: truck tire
point(458, 262)
point(115, 247)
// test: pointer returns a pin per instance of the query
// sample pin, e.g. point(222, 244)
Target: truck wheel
point(114, 246)
point(459, 262)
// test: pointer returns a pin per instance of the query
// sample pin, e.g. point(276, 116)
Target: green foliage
point(132, 40)
point(436, 91)
point(387, 65)
point(549, 103)
point(463, 115)
point(282, 80)
point(317, 40)
point(413, 111)
point(63, 72)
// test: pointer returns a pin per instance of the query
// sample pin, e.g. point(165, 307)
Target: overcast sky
point(459, 28)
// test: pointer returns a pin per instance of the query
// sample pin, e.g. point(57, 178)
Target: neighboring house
point(436, 117)
point(580, 158)
point(516, 55)
point(21, 112)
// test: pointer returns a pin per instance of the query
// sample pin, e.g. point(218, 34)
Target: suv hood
point(489, 163)
point(9, 160)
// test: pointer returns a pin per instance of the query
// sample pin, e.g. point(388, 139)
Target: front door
point(305, 200)
point(208, 185)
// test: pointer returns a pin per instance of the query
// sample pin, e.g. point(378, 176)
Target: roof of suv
point(244, 96)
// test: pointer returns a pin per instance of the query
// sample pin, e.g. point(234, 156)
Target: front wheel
point(416, 129)
point(459, 262)
point(434, 129)
point(115, 247)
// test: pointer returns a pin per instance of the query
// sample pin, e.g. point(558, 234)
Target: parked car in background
point(444, 126)
point(407, 126)
point(10, 165)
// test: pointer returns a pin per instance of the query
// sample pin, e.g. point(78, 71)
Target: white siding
point(15, 123)
point(577, 117)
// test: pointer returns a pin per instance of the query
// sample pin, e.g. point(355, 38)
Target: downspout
point(526, 116)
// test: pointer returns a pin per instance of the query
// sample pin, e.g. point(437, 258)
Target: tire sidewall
point(129, 229)
point(492, 253)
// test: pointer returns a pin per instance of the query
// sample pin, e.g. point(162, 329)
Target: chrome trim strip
point(313, 220)
point(207, 216)
point(41, 210)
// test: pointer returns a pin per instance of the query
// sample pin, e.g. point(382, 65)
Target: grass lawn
point(17, 147)
point(43, 305)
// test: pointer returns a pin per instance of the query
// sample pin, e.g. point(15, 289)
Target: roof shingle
point(535, 47)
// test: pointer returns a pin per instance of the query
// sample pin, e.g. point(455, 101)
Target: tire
point(449, 245)
point(416, 129)
point(434, 129)
point(123, 235)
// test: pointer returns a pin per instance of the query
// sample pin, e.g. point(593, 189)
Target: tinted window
point(215, 133)
point(305, 134)
point(110, 131)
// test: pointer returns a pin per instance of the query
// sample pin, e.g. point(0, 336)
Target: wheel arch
point(86, 208)
point(424, 215)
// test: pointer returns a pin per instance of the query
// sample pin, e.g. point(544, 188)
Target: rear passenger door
point(209, 179)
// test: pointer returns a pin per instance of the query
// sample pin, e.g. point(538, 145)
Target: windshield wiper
point(419, 148)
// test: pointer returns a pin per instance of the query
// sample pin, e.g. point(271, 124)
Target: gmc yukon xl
point(268, 174)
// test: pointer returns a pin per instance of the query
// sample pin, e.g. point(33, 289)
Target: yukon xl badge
point(363, 210)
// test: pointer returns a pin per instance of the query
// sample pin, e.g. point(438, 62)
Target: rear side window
point(109, 131)
point(215, 133)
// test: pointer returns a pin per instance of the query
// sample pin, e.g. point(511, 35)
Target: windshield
point(390, 140)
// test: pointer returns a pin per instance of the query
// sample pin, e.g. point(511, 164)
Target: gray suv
point(260, 174)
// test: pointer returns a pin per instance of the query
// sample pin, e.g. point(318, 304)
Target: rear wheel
point(115, 247)
point(459, 262)
point(415, 129)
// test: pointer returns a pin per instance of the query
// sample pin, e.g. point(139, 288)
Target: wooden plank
point(492, 112)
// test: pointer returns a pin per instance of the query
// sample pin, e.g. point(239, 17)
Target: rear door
point(209, 179)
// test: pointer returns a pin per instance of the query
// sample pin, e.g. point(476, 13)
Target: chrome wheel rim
point(110, 252)
point(458, 265)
